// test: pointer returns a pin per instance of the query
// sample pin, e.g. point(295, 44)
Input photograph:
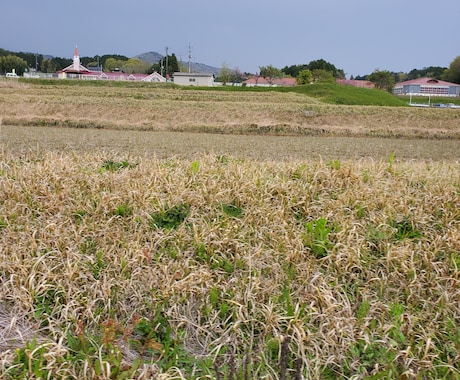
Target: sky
point(358, 36)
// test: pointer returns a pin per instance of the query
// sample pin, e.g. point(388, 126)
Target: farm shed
point(194, 79)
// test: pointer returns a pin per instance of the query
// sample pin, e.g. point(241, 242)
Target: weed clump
point(171, 217)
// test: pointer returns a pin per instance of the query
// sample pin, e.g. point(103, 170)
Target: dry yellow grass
point(175, 109)
point(130, 250)
point(281, 269)
point(25, 139)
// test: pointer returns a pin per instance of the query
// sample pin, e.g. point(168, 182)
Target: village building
point(427, 87)
point(193, 79)
point(77, 71)
point(356, 83)
point(258, 81)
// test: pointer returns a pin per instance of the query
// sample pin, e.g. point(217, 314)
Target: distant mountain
point(153, 57)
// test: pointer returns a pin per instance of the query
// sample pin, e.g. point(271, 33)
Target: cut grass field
point(131, 251)
point(157, 108)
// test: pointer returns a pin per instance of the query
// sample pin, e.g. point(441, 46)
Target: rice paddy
point(138, 254)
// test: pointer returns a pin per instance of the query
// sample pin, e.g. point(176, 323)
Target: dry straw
point(228, 268)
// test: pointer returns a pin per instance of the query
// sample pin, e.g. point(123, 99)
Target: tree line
point(323, 71)
point(317, 70)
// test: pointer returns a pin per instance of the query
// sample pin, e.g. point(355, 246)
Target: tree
point(12, 62)
point(160, 67)
point(134, 65)
point(270, 73)
point(321, 64)
point(48, 66)
point(452, 74)
point(383, 80)
point(323, 76)
point(294, 70)
point(224, 75)
point(305, 77)
point(236, 76)
point(112, 64)
point(430, 72)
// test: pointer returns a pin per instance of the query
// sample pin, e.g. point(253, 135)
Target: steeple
point(76, 60)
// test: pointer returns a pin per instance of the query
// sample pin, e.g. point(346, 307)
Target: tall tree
point(304, 77)
point(12, 62)
point(112, 64)
point(48, 66)
point(452, 74)
point(323, 76)
point(321, 64)
point(270, 73)
point(170, 61)
point(224, 75)
point(382, 79)
point(134, 65)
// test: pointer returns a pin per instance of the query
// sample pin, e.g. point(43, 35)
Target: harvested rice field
point(166, 254)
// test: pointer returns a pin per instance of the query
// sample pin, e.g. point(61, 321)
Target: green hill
point(348, 95)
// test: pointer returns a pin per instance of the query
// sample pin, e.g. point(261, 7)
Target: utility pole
point(189, 58)
point(166, 75)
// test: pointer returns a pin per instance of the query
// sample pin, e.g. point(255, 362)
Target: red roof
point(356, 83)
point(260, 81)
point(426, 82)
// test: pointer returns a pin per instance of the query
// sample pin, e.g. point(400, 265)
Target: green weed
point(232, 209)
point(405, 229)
point(115, 166)
point(316, 235)
point(171, 217)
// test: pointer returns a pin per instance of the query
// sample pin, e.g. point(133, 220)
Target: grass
point(228, 268)
point(256, 248)
point(301, 111)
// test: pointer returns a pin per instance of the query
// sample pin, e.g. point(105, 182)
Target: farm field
point(183, 234)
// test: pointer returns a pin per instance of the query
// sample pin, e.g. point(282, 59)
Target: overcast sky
point(357, 36)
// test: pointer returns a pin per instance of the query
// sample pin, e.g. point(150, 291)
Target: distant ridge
point(153, 57)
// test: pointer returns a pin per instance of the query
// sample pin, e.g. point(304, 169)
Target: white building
point(194, 79)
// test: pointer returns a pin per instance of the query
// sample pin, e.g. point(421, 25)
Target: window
point(191, 79)
point(434, 90)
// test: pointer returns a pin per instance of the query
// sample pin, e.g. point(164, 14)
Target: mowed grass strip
point(25, 139)
point(217, 267)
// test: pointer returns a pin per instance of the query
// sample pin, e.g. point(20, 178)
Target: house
point(258, 81)
point(356, 83)
point(193, 79)
point(427, 87)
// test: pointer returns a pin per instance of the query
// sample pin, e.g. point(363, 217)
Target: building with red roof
point(356, 83)
point(427, 87)
point(77, 71)
point(257, 81)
